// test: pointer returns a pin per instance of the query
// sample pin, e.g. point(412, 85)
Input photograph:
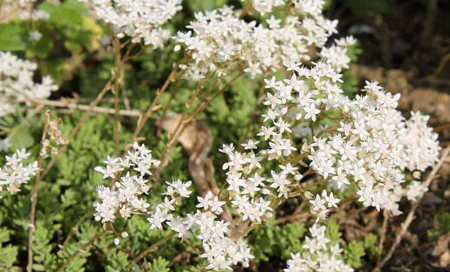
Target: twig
point(78, 125)
point(142, 120)
point(178, 130)
point(440, 68)
point(292, 218)
point(75, 227)
point(410, 216)
point(383, 235)
point(247, 231)
point(116, 90)
point(442, 127)
point(261, 96)
point(75, 254)
point(166, 108)
point(150, 249)
point(34, 195)
point(71, 105)
point(429, 21)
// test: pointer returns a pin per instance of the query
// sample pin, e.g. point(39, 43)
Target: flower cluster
point(247, 189)
point(371, 146)
point(264, 6)
point(176, 190)
point(322, 203)
point(363, 141)
point(220, 40)
point(34, 15)
point(415, 190)
point(221, 251)
point(124, 198)
point(15, 172)
point(138, 19)
point(420, 143)
point(336, 55)
point(22, 8)
point(16, 83)
point(35, 35)
point(319, 254)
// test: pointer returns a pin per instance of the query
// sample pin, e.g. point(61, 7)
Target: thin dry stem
point(178, 130)
point(166, 108)
point(186, 119)
point(94, 237)
point(116, 90)
point(383, 235)
point(78, 125)
point(73, 106)
point(77, 225)
point(150, 249)
point(147, 115)
point(34, 195)
point(410, 216)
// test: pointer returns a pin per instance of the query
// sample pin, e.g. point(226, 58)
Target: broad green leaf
point(12, 37)
point(22, 139)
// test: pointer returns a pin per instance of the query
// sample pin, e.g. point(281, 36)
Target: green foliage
point(371, 245)
point(353, 252)
point(159, 265)
point(444, 223)
point(117, 261)
point(271, 240)
point(332, 232)
point(350, 82)
point(68, 50)
point(8, 253)
point(12, 37)
point(22, 139)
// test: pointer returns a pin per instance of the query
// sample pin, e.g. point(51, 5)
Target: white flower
point(319, 246)
point(36, 35)
point(24, 8)
point(138, 19)
point(17, 84)
point(125, 199)
point(250, 144)
point(4, 144)
point(16, 172)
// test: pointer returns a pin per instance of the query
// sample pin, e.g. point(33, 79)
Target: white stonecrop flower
point(175, 192)
point(10, 9)
point(16, 83)
point(15, 173)
point(322, 203)
point(138, 19)
point(220, 40)
point(263, 6)
point(220, 251)
point(336, 55)
point(328, 257)
point(372, 145)
point(124, 198)
point(415, 190)
point(421, 146)
point(4, 145)
point(35, 35)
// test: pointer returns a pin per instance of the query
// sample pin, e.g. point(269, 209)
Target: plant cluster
point(305, 140)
